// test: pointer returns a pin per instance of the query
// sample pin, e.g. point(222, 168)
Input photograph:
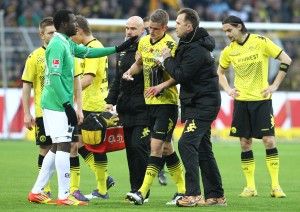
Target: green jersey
point(59, 73)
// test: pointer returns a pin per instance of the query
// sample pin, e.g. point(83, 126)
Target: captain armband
point(284, 67)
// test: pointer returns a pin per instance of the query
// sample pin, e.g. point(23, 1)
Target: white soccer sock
point(45, 173)
point(62, 164)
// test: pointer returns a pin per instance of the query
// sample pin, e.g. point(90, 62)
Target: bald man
point(128, 96)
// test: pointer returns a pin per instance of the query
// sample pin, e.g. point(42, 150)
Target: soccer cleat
point(96, 195)
point(49, 194)
point(216, 201)
point(136, 197)
point(248, 193)
point(110, 182)
point(79, 196)
point(176, 197)
point(278, 193)
point(190, 201)
point(162, 177)
point(70, 200)
point(147, 196)
point(40, 198)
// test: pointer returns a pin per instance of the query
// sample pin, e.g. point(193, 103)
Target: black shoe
point(162, 177)
point(110, 182)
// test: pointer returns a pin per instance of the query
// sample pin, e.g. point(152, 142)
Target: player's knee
point(269, 142)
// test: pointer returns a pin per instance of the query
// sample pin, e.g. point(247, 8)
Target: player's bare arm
point(86, 81)
point(78, 98)
point(155, 90)
point(28, 118)
point(285, 63)
point(233, 92)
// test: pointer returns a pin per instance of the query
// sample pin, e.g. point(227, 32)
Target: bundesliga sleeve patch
point(55, 63)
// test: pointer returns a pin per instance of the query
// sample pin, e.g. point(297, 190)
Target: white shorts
point(56, 126)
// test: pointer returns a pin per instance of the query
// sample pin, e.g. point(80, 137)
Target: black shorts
point(40, 135)
point(163, 119)
point(252, 119)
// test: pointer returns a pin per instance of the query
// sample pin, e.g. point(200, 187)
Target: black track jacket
point(128, 95)
point(193, 67)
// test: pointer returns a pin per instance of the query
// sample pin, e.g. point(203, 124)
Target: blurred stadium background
point(277, 19)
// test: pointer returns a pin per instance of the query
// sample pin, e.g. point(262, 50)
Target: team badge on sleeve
point(55, 63)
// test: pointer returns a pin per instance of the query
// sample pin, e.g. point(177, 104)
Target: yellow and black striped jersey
point(250, 62)
point(34, 73)
point(93, 96)
point(149, 52)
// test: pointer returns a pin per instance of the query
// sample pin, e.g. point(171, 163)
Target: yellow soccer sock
point(176, 171)
point(75, 174)
point(248, 166)
point(101, 172)
point(151, 172)
point(272, 160)
point(87, 156)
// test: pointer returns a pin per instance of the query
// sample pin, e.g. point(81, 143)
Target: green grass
point(18, 172)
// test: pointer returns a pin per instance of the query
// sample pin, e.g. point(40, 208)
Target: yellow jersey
point(149, 52)
point(93, 96)
point(34, 73)
point(250, 62)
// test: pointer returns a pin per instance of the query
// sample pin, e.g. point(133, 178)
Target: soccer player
point(193, 67)
point(34, 75)
point(161, 97)
point(253, 112)
point(162, 180)
point(59, 116)
point(94, 85)
point(128, 96)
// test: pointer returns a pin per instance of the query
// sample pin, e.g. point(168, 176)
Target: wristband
point(284, 67)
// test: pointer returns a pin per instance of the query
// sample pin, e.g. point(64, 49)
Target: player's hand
point(165, 53)
point(126, 44)
point(109, 108)
point(80, 117)
point(233, 92)
point(71, 114)
point(29, 121)
point(127, 76)
point(153, 91)
point(269, 90)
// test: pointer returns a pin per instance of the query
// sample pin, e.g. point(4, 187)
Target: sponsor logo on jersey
point(55, 63)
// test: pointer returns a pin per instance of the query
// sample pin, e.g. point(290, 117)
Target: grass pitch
point(18, 172)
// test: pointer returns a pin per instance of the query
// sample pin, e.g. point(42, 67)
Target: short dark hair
point(47, 21)
point(61, 16)
point(83, 24)
point(146, 18)
point(235, 21)
point(160, 16)
point(191, 16)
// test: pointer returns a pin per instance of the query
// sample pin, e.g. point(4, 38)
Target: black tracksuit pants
point(137, 151)
point(195, 149)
